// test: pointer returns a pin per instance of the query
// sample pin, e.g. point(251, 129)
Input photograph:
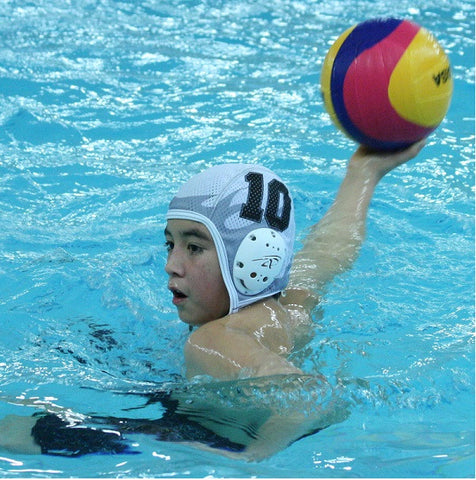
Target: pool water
point(107, 107)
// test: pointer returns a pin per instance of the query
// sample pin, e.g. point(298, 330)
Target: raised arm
point(333, 244)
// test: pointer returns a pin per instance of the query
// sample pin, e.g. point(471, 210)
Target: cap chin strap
point(258, 261)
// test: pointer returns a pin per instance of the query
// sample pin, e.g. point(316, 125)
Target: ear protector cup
point(258, 261)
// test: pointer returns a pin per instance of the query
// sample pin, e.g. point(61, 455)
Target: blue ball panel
point(363, 37)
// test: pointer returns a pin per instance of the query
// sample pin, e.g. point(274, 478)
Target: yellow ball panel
point(421, 86)
point(326, 75)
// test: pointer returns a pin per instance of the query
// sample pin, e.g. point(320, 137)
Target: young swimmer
point(230, 235)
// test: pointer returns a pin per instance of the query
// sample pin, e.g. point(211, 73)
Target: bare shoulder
point(256, 340)
point(253, 342)
point(268, 322)
point(277, 324)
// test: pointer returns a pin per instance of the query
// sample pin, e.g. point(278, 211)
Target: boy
point(230, 235)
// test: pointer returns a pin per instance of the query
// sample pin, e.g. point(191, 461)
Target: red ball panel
point(366, 90)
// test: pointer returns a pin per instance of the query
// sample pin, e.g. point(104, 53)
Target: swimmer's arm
point(226, 353)
point(333, 244)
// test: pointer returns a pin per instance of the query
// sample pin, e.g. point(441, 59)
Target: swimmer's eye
point(194, 249)
point(169, 245)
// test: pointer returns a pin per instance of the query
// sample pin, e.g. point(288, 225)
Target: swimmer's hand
point(15, 435)
point(380, 163)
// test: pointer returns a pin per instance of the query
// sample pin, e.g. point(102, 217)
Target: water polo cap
point(250, 215)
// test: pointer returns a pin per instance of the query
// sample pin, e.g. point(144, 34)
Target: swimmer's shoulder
point(275, 322)
point(254, 341)
point(268, 322)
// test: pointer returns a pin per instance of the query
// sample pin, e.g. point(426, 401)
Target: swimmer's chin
point(194, 322)
point(198, 320)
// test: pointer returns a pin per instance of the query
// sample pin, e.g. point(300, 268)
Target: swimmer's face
point(195, 278)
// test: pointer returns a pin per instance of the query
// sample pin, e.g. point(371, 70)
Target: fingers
point(379, 163)
point(397, 156)
point(408, 152)
point(415, 149)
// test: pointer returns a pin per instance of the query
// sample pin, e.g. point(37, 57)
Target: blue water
point(107, 107)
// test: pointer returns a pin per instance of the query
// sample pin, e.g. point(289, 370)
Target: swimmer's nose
point(174, 265)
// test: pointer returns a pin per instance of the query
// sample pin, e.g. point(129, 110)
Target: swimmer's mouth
point(177, 295)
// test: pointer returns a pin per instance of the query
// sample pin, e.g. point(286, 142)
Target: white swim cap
point(250, 215)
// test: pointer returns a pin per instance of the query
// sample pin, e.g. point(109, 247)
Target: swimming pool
point(108, 106)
